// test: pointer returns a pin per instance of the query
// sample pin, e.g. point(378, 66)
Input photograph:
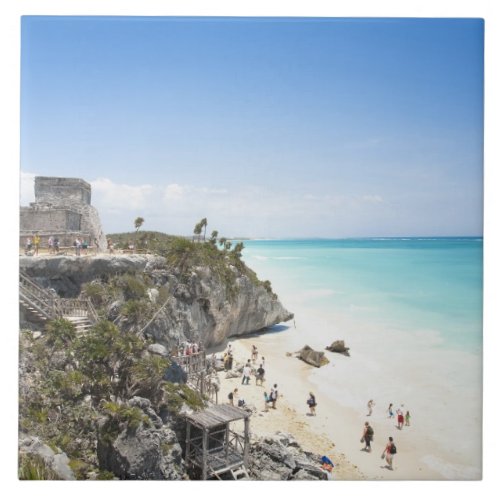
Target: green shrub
point(105, 475)
point(60, 333)
point(135, 311)
point(96, 292)
point(79, 468)
point(33, 468)
point(133, 288)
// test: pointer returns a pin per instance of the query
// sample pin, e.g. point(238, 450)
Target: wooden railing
point(72, 307)
point(37, 297)
point(52, 307)
point(193, 363)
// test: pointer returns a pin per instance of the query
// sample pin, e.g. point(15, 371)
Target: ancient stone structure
point(62, 209)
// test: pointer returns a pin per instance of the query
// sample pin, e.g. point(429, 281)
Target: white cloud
point(110, 196)
point(173, 192)
point(372, 198)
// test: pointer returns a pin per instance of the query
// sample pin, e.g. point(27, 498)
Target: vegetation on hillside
point(68, 382)
point(185, 254)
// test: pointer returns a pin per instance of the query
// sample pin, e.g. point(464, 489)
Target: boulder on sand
point(312, 357)
point(338, 346)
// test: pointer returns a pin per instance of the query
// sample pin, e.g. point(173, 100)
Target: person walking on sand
point(232, 396)
point(401, 418)
point(370, 406)
point(407, 419)
point(311, 402)
point(367, 437)
point(255, 353)
point(266, 402)
point(390, 412)
point(273, 396)
point(259, 376)
point(389, 452)
point(247, 371)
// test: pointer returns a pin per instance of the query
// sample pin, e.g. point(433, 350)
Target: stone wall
point(62, 209)
point(57, 219)
point(59, 191)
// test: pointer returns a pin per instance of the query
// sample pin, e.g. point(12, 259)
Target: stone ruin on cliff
point(61, 209)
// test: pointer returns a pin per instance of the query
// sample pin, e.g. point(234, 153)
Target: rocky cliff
point(199, 305)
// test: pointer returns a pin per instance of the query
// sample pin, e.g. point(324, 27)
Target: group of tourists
point(33, 244)
point(402, 418)
point(188, 348)
point(389, 450)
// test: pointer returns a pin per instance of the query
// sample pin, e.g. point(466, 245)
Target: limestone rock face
point(57, 462)
point(280, 457)
point(312, 357)
point(199, 308)
point(338, 346)
point(144, 453)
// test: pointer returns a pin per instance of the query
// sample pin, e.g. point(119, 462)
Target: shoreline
point(336, 429)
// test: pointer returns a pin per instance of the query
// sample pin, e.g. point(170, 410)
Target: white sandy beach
point(435, 445)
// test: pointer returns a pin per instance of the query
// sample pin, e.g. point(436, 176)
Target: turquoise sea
point(413, 284)
point(410, 311)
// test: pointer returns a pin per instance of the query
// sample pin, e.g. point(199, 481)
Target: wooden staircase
point(240, 473)
point(42, 305)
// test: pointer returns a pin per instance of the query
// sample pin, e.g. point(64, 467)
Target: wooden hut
point(213, 446)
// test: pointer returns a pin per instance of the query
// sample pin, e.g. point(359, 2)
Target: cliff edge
point(167, 303)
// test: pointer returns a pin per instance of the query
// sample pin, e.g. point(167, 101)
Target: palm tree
point(197, 230)
point(204, 223)
point(137, 224)
point(222, 242)
point(213, 237)
point(238, 249)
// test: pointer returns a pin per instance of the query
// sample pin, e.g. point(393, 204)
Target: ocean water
point(410, 310)
point(413, 284)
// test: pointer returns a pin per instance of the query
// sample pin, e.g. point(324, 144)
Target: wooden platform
point(216, 416)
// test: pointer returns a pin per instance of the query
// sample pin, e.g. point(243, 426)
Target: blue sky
point(267, 127)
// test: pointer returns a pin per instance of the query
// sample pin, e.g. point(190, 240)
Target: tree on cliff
point(204, 223)
point(197, 231)
point(137, 224)
point(198, 228)
point(213, 237)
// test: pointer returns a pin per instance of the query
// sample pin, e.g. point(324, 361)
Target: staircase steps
point(81, 323)
point(240, 474)
point(33, 311)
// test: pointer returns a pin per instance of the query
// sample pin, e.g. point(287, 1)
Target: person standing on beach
point(370, 406)
point(390, 412)
point(247, 371)
point(401, 419)
point(255, 353)
point(273, 396)
point(367, 437)
point(232, 396)
point(311, 402)
point(259, 376)
point(389, 452)
point(407, 418)
point(266, 402)
point(263, 362)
